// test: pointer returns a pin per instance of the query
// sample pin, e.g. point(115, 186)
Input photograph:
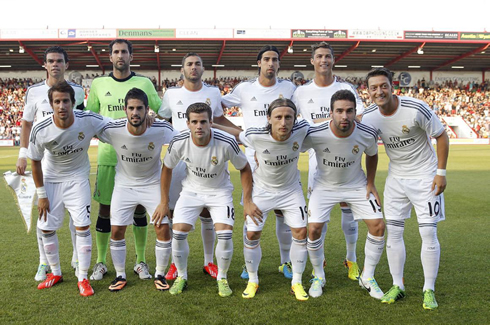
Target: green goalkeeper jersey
point(107, 99)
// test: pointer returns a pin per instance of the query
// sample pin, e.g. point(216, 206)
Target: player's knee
point(103, 224)
point(377, 228)
point(395, 230)
point(250, 243)
point(118, 232)
point(428, 233)
point(315, 230)
point(104, 211)
point(253, 235)
point(299, 233)
point(82, 228)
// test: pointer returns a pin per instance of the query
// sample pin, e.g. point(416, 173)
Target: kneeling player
point(63, 179)
point(339, 145)
point(137, 181)
point(207, 184)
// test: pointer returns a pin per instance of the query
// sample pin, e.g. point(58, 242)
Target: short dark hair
point(321, 45)
point(136, 93)
point(62, 87)
point(267, 48)
point(56, 49)
point(199, 108)
point(380, 72)
point(121, 40)
point(189, 55)
point(343, 94)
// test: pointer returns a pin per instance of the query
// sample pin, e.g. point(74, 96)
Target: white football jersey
point(206, 166)
point(313, 102)
point(339, 159)
point(37, 102)
point(277, 161)
point(176, 100)
point(406, 136)
point(254, 99)
point(65, 150)
point(138, 156)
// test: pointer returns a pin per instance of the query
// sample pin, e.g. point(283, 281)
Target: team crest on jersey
point(208, 101)
point(355, 150)
point(295, 146)
point(151, 146)
point(405, 129)
point(23, 185)
point(81, 136)
point(214, 160)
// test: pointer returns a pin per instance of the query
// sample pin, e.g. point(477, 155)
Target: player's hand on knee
point(439, 184)
point(21, 166)
point(253, 212)
point(371, 189)
point(160, 213)
point(43, 208)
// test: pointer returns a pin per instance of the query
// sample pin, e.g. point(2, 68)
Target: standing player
point(206, 153)
point(37, 106)
point(62, 181)
point(313, 103)
point(416, 177)
point(277, 186)
point(339, 145)
point(107, 98)
point(137, 181)
point(174, 105)
point(253, 97)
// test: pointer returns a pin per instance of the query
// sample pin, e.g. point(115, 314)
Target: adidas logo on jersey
point(266, 152)
point(44, 101)
point(311, 101)
point(108, 94)
point(124, 147)
point(180, 103)
point(326, 150)
point(55, 143)
point(187, 160)
point(253, 99)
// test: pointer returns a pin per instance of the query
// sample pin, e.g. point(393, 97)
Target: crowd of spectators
point(469, 100)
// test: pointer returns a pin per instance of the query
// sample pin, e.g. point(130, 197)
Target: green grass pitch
point(462, 288)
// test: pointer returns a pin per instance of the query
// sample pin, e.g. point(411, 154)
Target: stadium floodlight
point(218, 65)
point(373, 50)
point(135, 65)
point(377, 66)
point(340, 66)
point(414, 66)
point(457, 67)
point(176, 65)
point(5, 66)
point(21, 49)
point(300, 65)
point(92, 65)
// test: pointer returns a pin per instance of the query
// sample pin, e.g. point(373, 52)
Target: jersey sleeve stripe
point(301, 124)
point(38, 128)
point(318, 128)
point(179, 137)
point(418, 106)
point(369, 130)
point(232, 142)
point(370, 109)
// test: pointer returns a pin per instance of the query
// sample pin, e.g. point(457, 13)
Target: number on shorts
point(304, 211)
point(231, 213)
point(374, 206)
point(437, 208)
point(88, 211)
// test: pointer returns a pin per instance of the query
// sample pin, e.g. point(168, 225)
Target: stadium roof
point(439, 54)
